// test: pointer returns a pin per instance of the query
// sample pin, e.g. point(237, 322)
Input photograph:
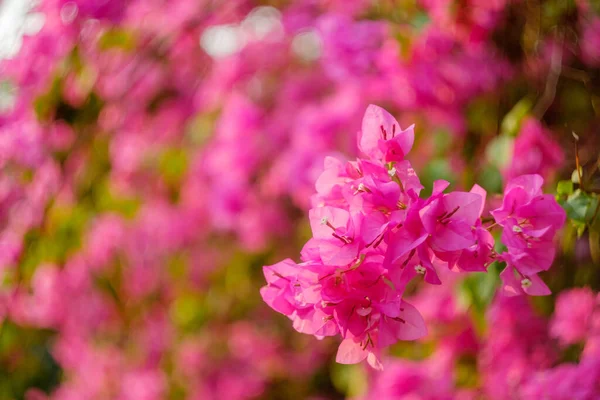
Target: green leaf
point(499, 151)
point(580, 206)
point(107, 200)
point(187, 311)
point(478, 290)
point(564, 188)
point(173, 165)
point(490, 179)
point(443, 140)
point(436, 169)
point(420, 20)
point(117, 38)
point(349, 379)
point(511, 124)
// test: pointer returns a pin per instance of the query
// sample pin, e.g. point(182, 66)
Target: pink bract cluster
point(155, 154)
point(529, 220)
point(372, 234)
point(518, 358)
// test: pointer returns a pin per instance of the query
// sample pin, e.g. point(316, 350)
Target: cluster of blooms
point(372, 234)
point(529, 220)
point(518, 357)
point(525, 356)
point(435, 376)
point(112, 343)
point(153, 161)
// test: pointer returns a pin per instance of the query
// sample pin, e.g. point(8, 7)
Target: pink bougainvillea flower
point(335, 232)
point(372, 234)
point(381, 137)
point(530, 220)
point(514, 283)
point(534, 152)
point(571, 322)
point(450, 220)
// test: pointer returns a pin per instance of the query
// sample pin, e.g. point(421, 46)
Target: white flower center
point(324, 221)
point(420, 269)
point(525, 283)
point(392, 172)
point(517, 229)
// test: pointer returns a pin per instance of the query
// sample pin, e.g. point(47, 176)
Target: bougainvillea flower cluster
point(373, 233)
point(155, 154)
